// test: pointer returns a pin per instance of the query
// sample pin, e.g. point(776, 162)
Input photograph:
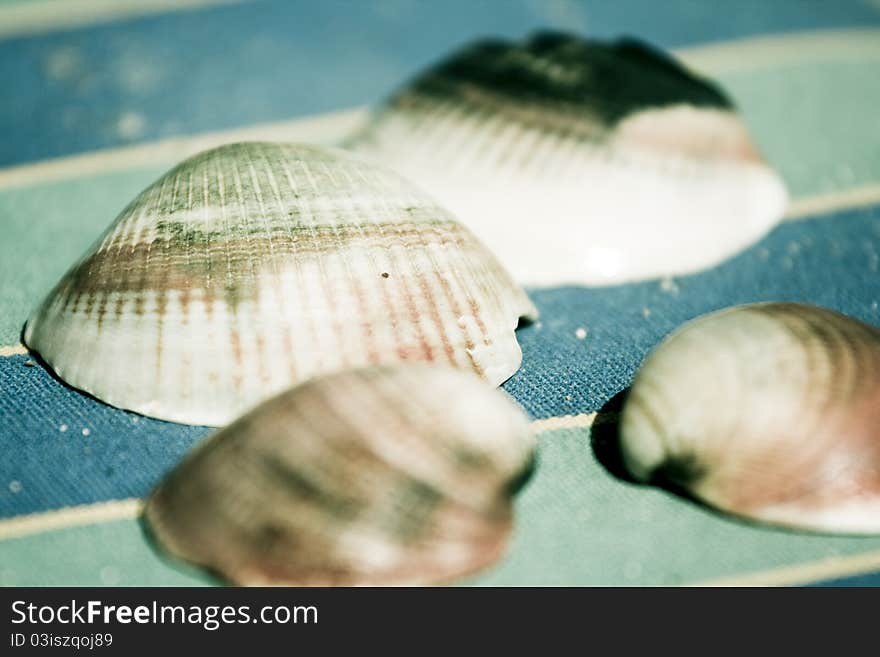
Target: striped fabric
point(101, 98)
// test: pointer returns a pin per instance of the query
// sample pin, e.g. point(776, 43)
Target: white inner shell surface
point(557, 209)
point(578, 160)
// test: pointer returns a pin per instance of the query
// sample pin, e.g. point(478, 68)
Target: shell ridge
point(287, 347)
point(251, 249)
point(356, 289)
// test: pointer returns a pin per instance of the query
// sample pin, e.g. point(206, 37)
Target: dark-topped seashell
point(581, 161)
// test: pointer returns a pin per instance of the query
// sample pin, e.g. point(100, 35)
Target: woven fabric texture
point(803, 73)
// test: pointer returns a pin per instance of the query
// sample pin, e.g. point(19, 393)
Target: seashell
point(252, 267)
point(378, 476)
point(768, 411)
point(575, 160)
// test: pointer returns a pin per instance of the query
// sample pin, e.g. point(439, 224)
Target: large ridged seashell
point(252, 267)
point(769, 411)
point(379, 476)
point(580, 161)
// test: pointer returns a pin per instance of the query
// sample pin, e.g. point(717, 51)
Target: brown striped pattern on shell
point(254, 266)
point(769, 411)
point(380, 476)
point(604, 149)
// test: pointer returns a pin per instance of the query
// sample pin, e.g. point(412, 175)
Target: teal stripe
point(817, 122)
point(106, 554)
point(575, 525)
point(831, 142)
point(45, 228)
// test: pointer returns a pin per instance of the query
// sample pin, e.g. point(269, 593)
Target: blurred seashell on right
point(768, 411)
point(581, 161)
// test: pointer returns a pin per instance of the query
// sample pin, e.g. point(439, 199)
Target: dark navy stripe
point(830, 261)
point(219, 67)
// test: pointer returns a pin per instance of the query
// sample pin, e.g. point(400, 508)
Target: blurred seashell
point(252, 267)
point(768, 411)
point(580, 161)
point(379, 476)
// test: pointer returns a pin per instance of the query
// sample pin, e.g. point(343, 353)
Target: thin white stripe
point(328, 128)
point(322, 129)
point(804, 573)
point(39, 16)
point(13, 350)
point(781, 50)
point(811, 206)
point(72, 516)
point(582, 420)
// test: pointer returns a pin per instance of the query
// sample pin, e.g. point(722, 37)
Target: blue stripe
point(219, 67)
point(830, 261)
